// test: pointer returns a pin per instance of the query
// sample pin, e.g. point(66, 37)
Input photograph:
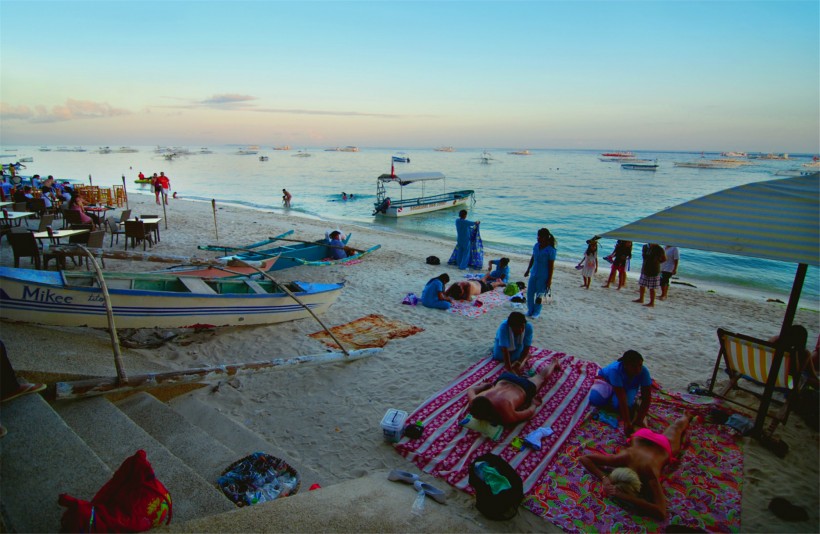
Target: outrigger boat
point(388, 207)
point(149, 300)
point(645, 165)
point(290, 255)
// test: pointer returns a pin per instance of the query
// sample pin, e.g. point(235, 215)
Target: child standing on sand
point(589, 263)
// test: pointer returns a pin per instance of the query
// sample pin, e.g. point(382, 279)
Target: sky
point(651, 75)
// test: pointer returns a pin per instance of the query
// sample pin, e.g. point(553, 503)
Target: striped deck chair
point(751, 359)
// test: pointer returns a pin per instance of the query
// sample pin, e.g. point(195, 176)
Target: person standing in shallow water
point(286, 197)
point(463, 227)
point(541, 264)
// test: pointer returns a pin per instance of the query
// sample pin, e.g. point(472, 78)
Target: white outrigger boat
point(402, 207)
point(150, 300)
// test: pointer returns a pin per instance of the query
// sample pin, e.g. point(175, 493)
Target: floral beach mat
point(703, 489)
point(489, 300)
point(372, 330)
point(446, 449)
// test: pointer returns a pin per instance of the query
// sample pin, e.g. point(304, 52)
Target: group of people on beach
point(160, 184)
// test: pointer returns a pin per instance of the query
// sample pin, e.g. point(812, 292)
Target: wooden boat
point(290, 255)
point(640, 165)
point(148, 300)
point(402, 207)
point(524, 152)
point(231, 269)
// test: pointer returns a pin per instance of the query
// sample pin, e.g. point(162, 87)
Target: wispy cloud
point(238, 102)
point(71, 110)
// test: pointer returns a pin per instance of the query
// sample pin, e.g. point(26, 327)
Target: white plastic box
point(393, 424)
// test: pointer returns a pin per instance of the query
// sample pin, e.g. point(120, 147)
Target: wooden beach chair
point(751, 359)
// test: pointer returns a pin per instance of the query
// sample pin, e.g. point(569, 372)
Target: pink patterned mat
point(703, 489)
point(446, 449)
point(489, 300)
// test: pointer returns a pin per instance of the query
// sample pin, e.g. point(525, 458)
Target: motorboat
point(386, 206)
point(401, 157)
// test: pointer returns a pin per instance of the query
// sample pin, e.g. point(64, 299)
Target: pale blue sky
point(640, 75)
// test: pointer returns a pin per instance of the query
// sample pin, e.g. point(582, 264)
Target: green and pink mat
point(703, 489)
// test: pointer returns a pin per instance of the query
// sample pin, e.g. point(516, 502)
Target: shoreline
point(707, 286)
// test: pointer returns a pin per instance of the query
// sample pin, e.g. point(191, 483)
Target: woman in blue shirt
point(541, 264)
point(617, 385)
point(512, 342)
point(433, 294)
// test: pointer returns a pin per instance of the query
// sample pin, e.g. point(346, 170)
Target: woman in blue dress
point(541, 265)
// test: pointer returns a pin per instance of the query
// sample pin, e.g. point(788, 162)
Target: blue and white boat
point(150, 300)
point(402, 207)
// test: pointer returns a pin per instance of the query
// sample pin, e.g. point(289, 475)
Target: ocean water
point(570, 192)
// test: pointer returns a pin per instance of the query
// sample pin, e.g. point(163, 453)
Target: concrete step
point(236, 436)
point(40, 458)
point(205, 455)
point(114, 437)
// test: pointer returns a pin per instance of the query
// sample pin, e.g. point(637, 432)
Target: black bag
point(503, 505)
point(433, 260)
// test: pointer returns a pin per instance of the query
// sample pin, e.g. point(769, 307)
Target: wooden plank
point(253, 284)
point(196, 285)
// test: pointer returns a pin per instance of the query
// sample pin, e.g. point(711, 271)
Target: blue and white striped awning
point(775, 219)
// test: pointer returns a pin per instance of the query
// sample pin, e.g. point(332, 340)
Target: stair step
point(234, 435)
point(115, 437)
point(204, 454)
point(40, 458)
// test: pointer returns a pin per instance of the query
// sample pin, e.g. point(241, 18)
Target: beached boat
point(230, 269)
point(641, 165)
point(402, 207)
point(288, 255)
point(149, 300)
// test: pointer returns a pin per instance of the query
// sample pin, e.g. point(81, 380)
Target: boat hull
point(44, 297)
point(416, 206)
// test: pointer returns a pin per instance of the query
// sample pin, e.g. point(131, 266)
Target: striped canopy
point(775, 219)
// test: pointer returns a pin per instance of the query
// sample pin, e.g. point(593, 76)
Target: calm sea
point(569, 191)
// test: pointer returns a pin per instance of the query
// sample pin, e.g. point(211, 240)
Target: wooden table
point(100, 211)
point(56, 235)
point(10, 216)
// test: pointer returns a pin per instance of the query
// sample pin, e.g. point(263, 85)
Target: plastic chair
point(24, 245)
point(137, 231)
point(114, 228)
point(45, 221)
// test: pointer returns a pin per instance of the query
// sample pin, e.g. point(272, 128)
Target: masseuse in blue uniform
point(541, 264)
point(463, 227)
point(512, 342)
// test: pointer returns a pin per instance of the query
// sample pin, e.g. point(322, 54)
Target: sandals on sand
point(397, 475)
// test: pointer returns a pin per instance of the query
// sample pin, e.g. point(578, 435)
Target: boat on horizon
point(401, 157)
point(387, 207)
point(283, 147)
point(248, 151)
point(445, 149)
point(524, 152)
point(150, 300)
point(643, 165)
point(485, 158)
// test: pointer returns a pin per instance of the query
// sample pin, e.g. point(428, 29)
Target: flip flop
point(25, 389)
point(431, 491)
point(397, 475)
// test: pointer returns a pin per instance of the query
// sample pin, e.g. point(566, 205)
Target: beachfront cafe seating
point(59, 254)
point(152, 226)
point(748, 359)
point(24, 245)
point(114, 229)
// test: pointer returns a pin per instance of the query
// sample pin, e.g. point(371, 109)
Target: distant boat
point(102, 150)
point(401, 158)
point(485, 158)
point(302, 154)
point(27, 159)
point(283, 147)
point(333, 149)
point(387, 207)
point(205, 150)
point(45, 149)
point(641, 165)
point(616, 156)
point(248, 151)
point(349, 149)
point(263, 158)
point(149, 300)
point(769, 156)
point(445, 149)
point(707, 164)
point(524, 152)
point(733, 154)
point(126, 150)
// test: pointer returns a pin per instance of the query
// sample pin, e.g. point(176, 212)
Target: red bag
point(132, 501)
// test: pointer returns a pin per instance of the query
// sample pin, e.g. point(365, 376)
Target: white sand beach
point(327, 417)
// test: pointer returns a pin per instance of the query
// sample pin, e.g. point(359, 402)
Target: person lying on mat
point(617, 386)
point(636, 477)
point(432, 296)
point(512, 342)
point(508, 400)
point(471, 288)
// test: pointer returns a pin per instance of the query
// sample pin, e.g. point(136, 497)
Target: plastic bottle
point(418, 504)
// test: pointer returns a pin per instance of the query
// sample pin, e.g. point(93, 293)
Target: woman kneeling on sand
point(637, 474)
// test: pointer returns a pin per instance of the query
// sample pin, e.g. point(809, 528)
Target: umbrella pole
point(791, 309)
